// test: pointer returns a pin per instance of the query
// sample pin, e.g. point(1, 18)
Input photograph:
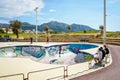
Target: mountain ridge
point(53, 25)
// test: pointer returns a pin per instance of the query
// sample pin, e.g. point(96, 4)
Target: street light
point(104, 38)
point(36, 10)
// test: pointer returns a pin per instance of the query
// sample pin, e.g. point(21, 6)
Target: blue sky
point(86, 12)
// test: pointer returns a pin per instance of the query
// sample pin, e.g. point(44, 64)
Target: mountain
point(4, 25)
point(53, 25)
point(77, 27)
point(25, 26)
point(28, 26)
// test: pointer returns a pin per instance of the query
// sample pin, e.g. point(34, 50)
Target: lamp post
point(36, 10)
point(104, 35)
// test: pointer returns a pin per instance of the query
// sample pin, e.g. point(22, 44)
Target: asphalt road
point(111, 72)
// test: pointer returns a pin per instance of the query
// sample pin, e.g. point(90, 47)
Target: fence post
point(66, 72)
point(90, 64)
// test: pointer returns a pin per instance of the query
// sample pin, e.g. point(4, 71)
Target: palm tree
point(68, 28)
point(16, 25)
point(7, 29)
point(46, 28)
point(85, 31)
point(101, 27)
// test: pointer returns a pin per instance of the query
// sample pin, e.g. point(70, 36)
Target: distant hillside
point(3, 25)
point(27, 26)
point(53, 25)
point(77, 27)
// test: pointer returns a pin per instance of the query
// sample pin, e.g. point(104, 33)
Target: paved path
point(111, 72)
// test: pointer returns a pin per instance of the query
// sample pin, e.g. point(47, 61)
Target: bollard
point(31, 40)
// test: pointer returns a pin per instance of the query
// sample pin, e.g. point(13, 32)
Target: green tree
point(46, 28)
point(68, 28)
point(101, 27)
point(85, 31)
point(16, 25)
point(1, 31)
point(7, 29)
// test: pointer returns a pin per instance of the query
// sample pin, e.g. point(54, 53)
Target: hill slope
point(53, 25)
point(62, 26)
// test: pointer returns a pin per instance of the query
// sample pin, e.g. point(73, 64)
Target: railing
point(47, 74)
point(13, 77)
point(78, 68)
point(54, 73)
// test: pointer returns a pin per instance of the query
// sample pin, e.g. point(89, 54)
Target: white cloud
point(51, 19)
point(52, 10)
point(15, 8)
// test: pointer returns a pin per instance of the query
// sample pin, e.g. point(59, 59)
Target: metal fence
point(47, 74)
point(13, 77)
point(55, 73)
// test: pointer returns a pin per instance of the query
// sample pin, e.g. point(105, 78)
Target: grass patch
point(113, 34)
